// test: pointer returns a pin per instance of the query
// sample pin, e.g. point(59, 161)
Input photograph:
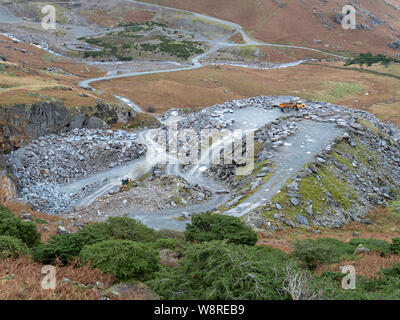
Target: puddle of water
point(259, 117)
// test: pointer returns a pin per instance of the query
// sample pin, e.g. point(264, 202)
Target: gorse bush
point(395, 246)
point(208, 227)
point(168, 243)
point(372, 244)
point(67, 247)
point(219, 270)
point(12, 226)
point(11, 247)
point(321, 251)
point(125, 228)
point(124, 259)
point(369, 59)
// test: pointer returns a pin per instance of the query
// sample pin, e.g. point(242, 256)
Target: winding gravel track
point(215, 45)
point(310, 139)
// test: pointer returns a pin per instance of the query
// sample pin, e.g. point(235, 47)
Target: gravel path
point(298, 150)
point(215, 46)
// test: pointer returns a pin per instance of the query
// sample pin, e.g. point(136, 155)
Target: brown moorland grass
point(20, 279)
point(24, 78)
point(37, 58)
point(120, 14)
point(368, 264)
point(299, 22)
point(385, 226)
point(316, 81)
point(271, 54)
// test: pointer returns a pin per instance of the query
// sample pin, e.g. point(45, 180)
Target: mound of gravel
point(53, 160)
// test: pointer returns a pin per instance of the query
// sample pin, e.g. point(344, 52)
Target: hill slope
point(307, 21)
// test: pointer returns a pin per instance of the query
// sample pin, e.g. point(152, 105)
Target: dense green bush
point(321, 251)
point(11, 247)
point(124, 259)
point(369, 59)
point(219, 270)
point(395, 246)
point(393, 271)
point(168, 243)
point(12, 226)
point(125, 228)
point(372, 244)
point(208, 227)
point(67, 247)
point(182, 49)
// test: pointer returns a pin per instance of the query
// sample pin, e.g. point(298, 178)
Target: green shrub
point(394, 271)
point(321, 251)
point(208, 227)
point(218, 270)
point(124, 228)
point(395, 246)
point(124, 259)
point(40, 221)
point(12, 226)
point(168, 243)
point(372, 244)
point(67, 247)
point(11, 247)
point(332, 276)
point(369, 59)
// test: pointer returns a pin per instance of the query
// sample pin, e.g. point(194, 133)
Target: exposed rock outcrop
point(23, 123)
point(8, 187)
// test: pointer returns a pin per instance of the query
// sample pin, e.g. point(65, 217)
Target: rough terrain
point(53, 160)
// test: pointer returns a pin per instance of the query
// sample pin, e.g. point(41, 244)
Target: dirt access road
point(215, 45)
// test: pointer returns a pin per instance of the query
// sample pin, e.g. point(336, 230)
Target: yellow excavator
point(287, 106)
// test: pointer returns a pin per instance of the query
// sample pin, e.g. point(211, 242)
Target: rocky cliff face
point(19, 124)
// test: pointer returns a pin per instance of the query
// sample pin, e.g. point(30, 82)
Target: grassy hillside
point(375, 89)
point(30, 75)
point(305, 22)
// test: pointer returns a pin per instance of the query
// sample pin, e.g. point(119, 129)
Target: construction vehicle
point(288, 106)
point(125, 184)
